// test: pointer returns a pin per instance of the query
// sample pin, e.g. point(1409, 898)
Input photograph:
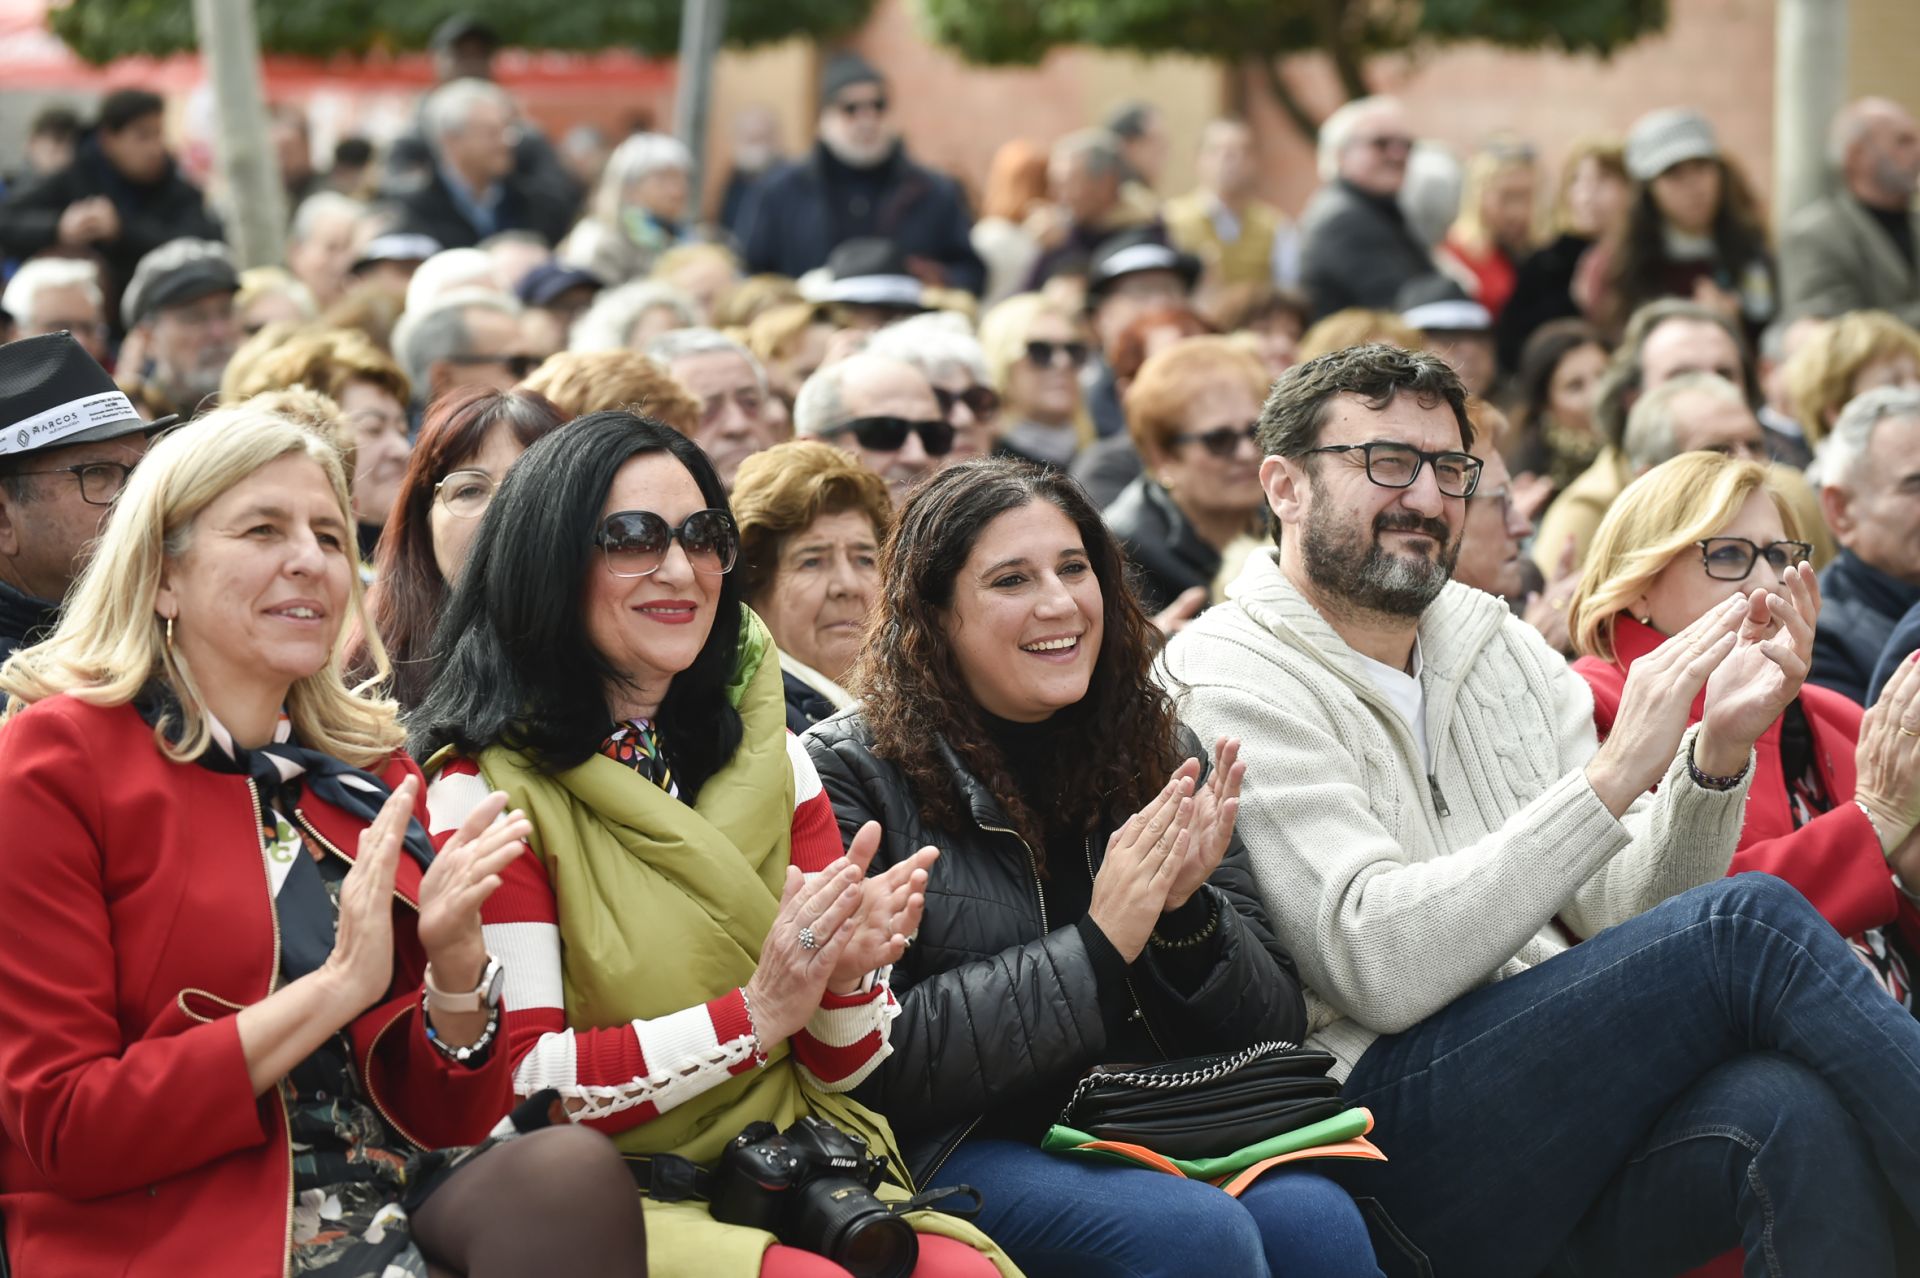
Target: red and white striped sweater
point(620, 1076)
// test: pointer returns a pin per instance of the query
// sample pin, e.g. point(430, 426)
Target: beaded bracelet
point(1707, 781)
point(474, 1053)
point(1197, 938)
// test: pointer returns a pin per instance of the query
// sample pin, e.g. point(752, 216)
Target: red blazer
point(1834, 859)
point(134, 920)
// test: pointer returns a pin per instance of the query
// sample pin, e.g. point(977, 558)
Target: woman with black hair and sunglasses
point(1191, 411)
point(690, 950)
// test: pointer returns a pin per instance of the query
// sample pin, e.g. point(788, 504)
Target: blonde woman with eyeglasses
point(1836, 793)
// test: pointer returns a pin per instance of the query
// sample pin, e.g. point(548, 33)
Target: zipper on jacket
point(1033, 863)
point(366, 1066)
point(366, 1079)
point(273, 979)
point(1439, 799)
point(1139, 1012)
point(301, 819)
point(947, 1153)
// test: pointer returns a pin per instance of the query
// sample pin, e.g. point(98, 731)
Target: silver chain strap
point(1173, 1082)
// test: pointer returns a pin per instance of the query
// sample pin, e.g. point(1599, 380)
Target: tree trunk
point(1330, 17)
point(256, 199)
point(1282, 90)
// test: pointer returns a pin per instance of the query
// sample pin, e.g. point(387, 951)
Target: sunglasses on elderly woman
point(635, 542)
point(1057, 354)
point(1733, 558)
point(1221, 441)
point(889, 434)
point(981, 401)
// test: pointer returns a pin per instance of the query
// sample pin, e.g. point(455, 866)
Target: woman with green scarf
point(688, 950)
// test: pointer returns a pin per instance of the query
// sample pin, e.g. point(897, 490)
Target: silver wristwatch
point(485, 995)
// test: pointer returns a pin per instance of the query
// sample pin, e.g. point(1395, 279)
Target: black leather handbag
point(1206, 1106)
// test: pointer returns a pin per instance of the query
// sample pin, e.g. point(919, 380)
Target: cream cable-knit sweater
point(1392, 907)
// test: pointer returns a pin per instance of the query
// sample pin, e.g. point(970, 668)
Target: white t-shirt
point(1403, 692)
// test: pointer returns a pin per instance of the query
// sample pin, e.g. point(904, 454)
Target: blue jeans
point(1719, 1072)
point(1075, 1218)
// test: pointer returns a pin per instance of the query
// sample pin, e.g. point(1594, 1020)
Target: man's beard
point(1354, 569)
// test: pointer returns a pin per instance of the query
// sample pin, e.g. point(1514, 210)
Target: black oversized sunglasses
point(980, 400)
point(889, 434)
point(635, 542)
point(1057, 354)
point(1221, 441)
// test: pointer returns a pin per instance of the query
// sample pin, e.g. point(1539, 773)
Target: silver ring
point(806, 939)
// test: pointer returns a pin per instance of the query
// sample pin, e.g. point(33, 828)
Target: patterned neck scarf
point(636, 744)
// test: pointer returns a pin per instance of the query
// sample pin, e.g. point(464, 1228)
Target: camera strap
point(668, 1178)
point(941, 1200)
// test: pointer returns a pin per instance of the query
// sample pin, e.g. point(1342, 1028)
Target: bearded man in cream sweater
point(1434, 826)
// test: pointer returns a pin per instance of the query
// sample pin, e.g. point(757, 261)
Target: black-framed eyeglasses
point(860, 106)
point(466, 493)
point(889, 434)
point(519, 365)
point(635, 542)
point(1221, 441)
point(982, 401)
point(1733, 558)
point(100, 482)
point(1057, 354)
point(1395, 465)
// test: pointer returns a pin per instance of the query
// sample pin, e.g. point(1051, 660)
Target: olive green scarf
point(663, 906)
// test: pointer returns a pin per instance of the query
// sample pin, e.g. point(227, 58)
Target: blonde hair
point(1003, 343)
point(1357, 326)
point(582, 382)
point(111, 642)
point(1656, 519)
point(1820, 374)
point(1501, 155)
point(1609, 153)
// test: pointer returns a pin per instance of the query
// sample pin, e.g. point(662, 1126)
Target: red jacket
point(1835, 859)
point(134, 920)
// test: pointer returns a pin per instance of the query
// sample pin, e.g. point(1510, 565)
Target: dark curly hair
point(915, 695)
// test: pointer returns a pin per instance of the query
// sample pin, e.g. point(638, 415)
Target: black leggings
point(555, 1201)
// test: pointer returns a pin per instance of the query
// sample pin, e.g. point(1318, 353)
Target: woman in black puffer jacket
point(1091, 903)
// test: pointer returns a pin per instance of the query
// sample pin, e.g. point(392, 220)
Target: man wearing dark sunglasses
point(858, 182)
point(1355, 246)
point(882, 411)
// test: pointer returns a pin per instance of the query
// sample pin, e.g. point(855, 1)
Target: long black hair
point(520, 669)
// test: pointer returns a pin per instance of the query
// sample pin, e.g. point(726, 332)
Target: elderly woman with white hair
point(638, 211)
point(631, 317)
point(942, 346)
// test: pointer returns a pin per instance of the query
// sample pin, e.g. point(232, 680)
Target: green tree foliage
point(102, 30)
point(1348, 32)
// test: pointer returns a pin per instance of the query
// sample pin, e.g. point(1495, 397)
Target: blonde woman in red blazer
point(247, 1023)
point(1836, 793)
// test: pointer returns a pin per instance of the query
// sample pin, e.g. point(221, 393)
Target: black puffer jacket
point(998, 1000)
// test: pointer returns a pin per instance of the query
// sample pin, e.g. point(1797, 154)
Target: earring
point(169, 634)
point(1646, 620)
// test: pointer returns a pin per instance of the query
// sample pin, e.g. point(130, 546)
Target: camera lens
point(877, 1246)
point(842, 1220)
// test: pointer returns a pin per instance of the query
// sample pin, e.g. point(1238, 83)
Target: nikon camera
point(812, 1187)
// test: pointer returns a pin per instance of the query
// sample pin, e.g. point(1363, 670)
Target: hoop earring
point(169, 635)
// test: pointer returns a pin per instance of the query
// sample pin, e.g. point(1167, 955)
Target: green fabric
point(662, 907)
point(1342, 1126)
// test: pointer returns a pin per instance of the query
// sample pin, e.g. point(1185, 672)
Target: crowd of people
point(515, 705)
